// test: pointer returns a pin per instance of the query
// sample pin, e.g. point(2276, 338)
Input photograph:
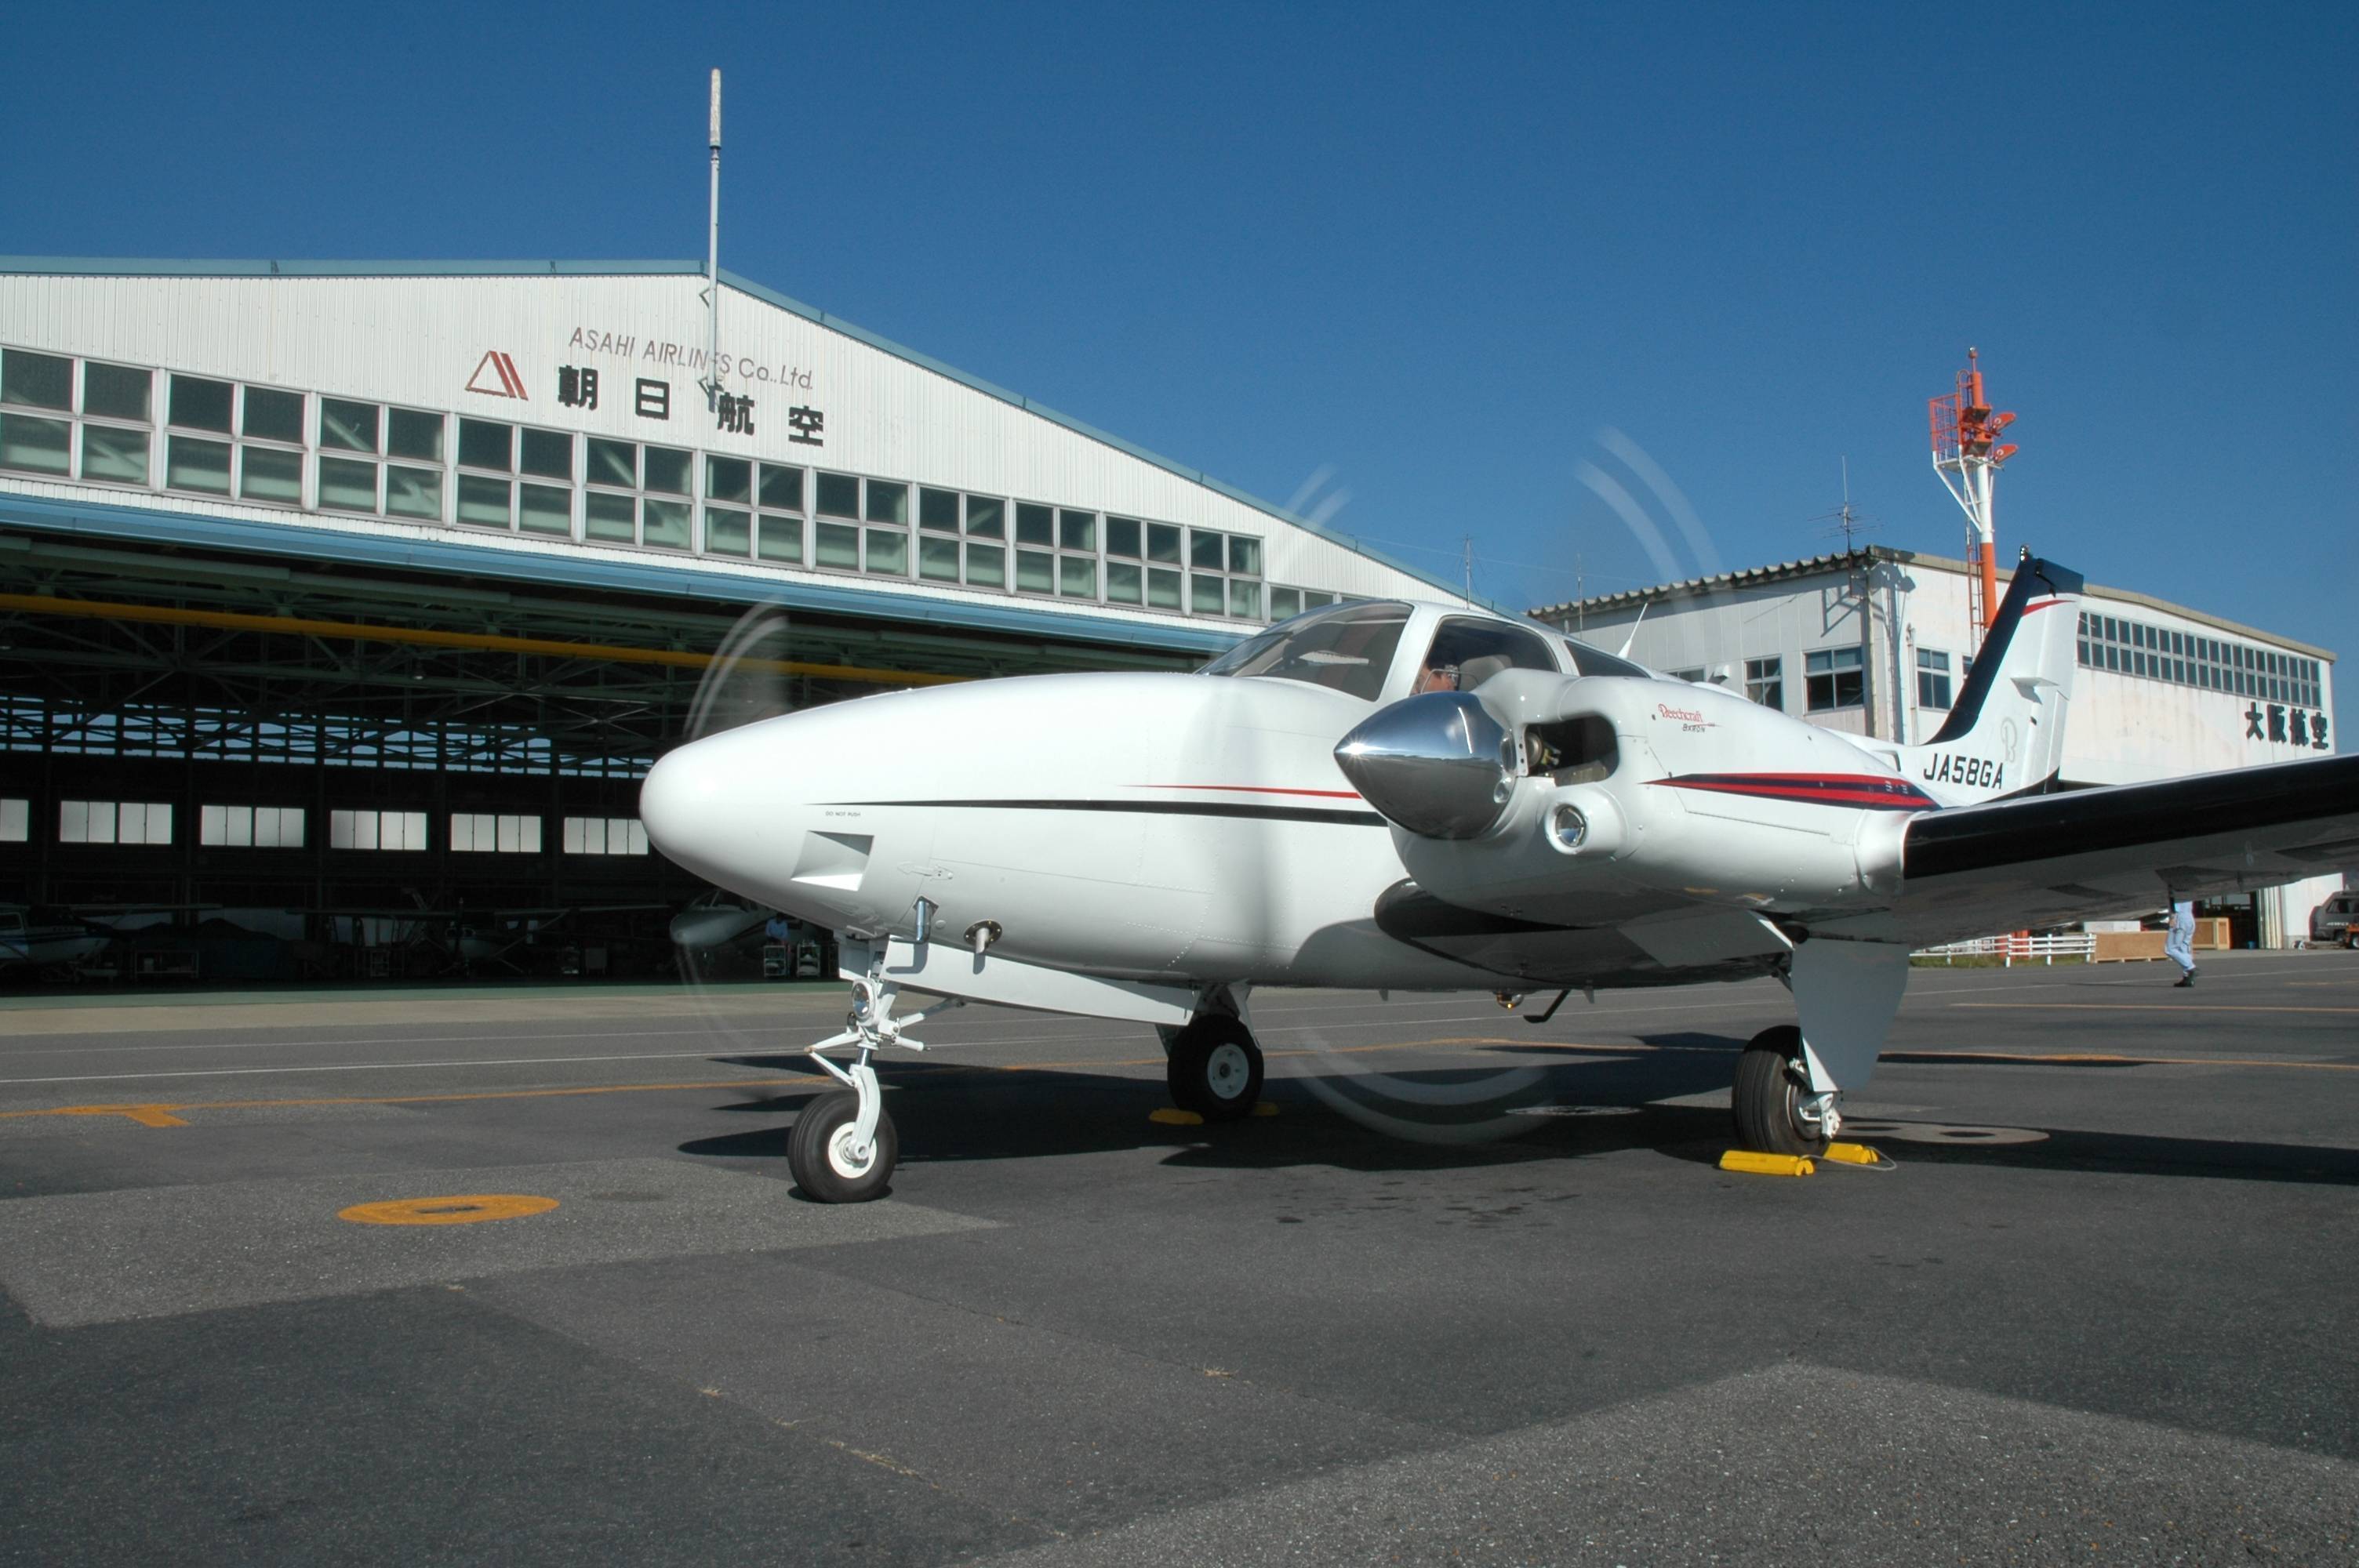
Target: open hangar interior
point(342, 607)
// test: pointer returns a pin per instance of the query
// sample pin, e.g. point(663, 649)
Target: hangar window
point(779, 492)
point(273, 472)
point(115, 453)
point(1765, 681)
point(1223, 574)
point(36, 381)
point(838, 495)
point(1035, 566)
point(485, 502)
point(486, 833)
point(938, 512)
point(886, 545)
point(1132, 577)
point(255, 826)
point(115, 822)
point(605, 836)
point(986, 553)
point(16, 820)
point(377, 830)
point(1834, 677)
point(1284, 603)
point(189, 461)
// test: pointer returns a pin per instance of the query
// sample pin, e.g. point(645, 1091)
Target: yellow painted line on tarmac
point(463, 1208)
point(2140, 1007)
point(145, 1115)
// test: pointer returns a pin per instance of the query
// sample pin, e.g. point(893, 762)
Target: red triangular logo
point(495, 376)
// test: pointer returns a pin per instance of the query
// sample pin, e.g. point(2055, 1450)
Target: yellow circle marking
point(464, 1209)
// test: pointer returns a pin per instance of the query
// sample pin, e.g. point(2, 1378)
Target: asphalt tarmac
point(1476, 1291)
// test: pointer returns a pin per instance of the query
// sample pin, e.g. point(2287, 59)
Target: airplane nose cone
point(685, 803)
point(1439, 765)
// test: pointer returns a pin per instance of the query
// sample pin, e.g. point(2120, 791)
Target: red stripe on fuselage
point(1868, 790)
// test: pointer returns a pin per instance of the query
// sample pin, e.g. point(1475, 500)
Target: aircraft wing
point(2047, 860)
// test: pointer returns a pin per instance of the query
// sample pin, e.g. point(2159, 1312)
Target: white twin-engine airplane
point(1411, 797)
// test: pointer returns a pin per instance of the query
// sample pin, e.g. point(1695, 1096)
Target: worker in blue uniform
point(2179, 948)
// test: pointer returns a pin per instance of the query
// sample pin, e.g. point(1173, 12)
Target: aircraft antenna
point(1967, 454)
point(713, 258)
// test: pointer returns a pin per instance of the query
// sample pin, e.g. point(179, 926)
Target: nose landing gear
point(843, 1147)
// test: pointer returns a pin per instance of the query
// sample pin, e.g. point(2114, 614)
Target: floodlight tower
point(1967, 453)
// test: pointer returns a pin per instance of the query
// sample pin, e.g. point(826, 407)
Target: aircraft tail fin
point(2006, 732)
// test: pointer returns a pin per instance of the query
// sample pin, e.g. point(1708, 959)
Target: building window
point(1223, 575)
point(637, 496)
point(35, 443)
point(1833, 677)
point(16, 820)
point(484, 832)
point(1287, 602)
point(778, 517)
point(377, 830)
point(37, 436)
point(885, 542)
point(605, 835)
point(1143, 563)
point(1932, 678)
point(1765, 682)
point(250, 826)
point(1036, 554)
point(2210, 663)
point(374, 459)
point(938, 537)
point(115, 822)
point(986, 542)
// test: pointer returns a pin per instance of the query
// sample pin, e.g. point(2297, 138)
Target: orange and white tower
point(1967, 453)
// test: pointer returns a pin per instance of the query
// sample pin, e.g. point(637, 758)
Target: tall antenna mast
point(1967, 453)
point(712, 261)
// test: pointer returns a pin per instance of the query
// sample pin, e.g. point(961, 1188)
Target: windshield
point(1348, 648)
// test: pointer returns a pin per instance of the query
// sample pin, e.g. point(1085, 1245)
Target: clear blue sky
point(1429, 254)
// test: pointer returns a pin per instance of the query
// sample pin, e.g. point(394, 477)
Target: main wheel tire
point(819, 1152)
point(1768, 1097)
point(1214, 1068)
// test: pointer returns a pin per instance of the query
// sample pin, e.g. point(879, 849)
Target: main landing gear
point(1776, 1111)
point(1215, 1067)
point(843, 1147)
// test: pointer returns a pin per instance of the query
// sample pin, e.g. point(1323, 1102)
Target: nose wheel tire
point(1215, 1069)
point(826, 1159)
point(1769, 1097)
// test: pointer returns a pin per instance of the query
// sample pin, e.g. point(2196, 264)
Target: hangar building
point(338, 589)
point(1875, 642)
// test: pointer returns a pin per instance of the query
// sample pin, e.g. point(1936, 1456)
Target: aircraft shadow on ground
point(949, 1112)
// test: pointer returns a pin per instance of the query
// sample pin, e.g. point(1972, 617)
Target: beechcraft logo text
point(495, 376)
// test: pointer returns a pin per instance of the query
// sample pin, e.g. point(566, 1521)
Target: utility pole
point(712, 260)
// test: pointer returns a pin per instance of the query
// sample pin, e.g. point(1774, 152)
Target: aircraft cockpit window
point(1467, 652)
point(1348, 648)
point(1590, 661)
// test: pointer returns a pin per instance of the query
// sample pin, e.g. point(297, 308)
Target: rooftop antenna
point(711, 382)
point(1967, 453)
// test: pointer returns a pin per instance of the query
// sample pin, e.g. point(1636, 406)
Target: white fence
point(2017, 949)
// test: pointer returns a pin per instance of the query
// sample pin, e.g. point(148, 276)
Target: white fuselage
point(1198, 829)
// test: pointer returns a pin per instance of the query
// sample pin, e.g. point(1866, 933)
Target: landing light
point(1567, 828)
